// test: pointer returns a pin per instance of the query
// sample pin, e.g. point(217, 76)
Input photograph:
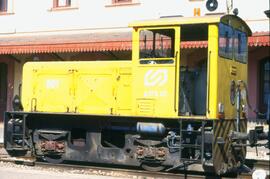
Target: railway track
point(102, 170)
point(126, 172)
point(129, 173)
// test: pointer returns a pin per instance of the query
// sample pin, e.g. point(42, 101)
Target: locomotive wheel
point(153, 167)
point(55, 159)
point(16, 153)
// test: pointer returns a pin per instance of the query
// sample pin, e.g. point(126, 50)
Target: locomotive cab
point(179, 65)
point(194, 85)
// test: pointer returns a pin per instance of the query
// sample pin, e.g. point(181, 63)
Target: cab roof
point(175, 21)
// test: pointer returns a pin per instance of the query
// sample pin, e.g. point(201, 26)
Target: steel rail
point(124, 171)
point(105, 170)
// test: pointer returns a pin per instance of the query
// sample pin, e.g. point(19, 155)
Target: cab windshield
point(157, 43)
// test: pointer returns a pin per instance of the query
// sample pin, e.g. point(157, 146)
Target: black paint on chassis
point(115, 140)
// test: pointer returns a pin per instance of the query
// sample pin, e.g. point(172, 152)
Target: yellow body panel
point(42, 90)
point(154, 99)
point(229, 70)
point(212, 72)
point(83, 87)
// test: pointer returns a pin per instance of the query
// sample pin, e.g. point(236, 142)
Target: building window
point(61, 3)
point(3, 6)
point(264, 84)
point(121, 1)
point(113, 3)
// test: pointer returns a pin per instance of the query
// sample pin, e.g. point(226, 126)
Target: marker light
point(221, 111)
point(220, 108)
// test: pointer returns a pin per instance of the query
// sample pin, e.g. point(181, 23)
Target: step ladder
point(18, 137)
point(200, 146)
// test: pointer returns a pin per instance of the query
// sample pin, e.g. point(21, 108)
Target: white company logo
point(52, 83)
point(156, 77)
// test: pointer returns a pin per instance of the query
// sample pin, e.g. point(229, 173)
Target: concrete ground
point(12, 171)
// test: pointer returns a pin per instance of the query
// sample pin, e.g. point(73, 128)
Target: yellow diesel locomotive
point(168, 108)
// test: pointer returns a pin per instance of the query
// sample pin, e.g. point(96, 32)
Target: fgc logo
point(157, 77)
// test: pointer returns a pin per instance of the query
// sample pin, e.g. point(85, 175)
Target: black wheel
point(17, 153)
point(153, 167)
point(55, 159)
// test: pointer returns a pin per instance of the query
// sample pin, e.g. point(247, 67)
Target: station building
point(62, 30)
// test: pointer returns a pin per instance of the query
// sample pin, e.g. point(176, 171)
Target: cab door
point(232, 65)
point(155, 71)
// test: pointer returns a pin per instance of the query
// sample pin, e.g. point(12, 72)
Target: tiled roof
point(259, 39)
point(94, 42)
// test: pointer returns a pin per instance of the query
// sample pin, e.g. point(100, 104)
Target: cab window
point(240, 46)
point(225, 41)
point(157, 44)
